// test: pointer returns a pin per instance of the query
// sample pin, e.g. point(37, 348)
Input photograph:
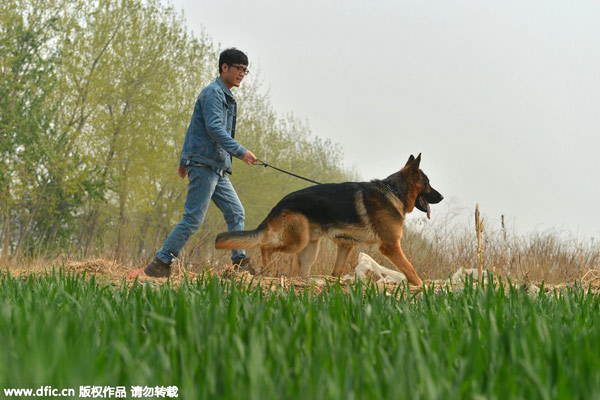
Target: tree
point(28, 62)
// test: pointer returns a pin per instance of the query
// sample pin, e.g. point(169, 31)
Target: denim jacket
point(210, 136)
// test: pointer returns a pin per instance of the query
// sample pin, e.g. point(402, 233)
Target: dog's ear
point(418, 161)
point(413, 162)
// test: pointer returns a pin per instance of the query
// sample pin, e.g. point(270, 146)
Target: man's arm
point(212, 111)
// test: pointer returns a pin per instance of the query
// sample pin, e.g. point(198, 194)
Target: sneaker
point(244, 264)
point(157, 269)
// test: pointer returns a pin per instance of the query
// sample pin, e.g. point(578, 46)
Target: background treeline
point(95, 99)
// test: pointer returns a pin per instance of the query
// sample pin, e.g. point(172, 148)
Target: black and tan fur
point(349, 213)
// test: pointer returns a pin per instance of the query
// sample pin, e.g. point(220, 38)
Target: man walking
point(206, 160)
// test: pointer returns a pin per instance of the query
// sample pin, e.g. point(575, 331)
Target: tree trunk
point(25, 230)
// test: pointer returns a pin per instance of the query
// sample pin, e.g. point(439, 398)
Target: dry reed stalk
point(479, 231)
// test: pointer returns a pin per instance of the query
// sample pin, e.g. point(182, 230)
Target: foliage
point(215, 338)
point(95, 102)
point(29, 158)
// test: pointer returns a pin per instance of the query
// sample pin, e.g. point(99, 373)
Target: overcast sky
point(502, 98)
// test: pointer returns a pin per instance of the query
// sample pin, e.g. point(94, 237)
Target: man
point(206, 160)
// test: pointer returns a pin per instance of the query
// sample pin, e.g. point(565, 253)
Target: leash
point(264, 164)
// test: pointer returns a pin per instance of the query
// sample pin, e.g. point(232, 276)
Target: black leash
point(264, 164)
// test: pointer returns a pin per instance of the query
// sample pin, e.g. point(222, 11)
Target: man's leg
point(227, 200)
point(201, 185)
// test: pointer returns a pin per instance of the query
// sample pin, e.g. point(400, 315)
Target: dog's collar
point(387, 185)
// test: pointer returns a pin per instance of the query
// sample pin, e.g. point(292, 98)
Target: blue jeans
point(203, 184)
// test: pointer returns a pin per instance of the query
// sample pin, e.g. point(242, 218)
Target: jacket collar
point(222, 84)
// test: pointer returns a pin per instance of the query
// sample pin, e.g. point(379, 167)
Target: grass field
point(225, 338)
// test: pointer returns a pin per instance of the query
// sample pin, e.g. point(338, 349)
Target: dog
point(349, 213)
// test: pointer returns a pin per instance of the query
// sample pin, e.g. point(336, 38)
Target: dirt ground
point(110, 272)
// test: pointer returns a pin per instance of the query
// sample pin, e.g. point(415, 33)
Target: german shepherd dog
point(349, 213)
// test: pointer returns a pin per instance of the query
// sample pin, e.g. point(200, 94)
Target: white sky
point(501, 97)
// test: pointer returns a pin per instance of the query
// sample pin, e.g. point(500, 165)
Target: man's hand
point(249, 158)
point(182, 171)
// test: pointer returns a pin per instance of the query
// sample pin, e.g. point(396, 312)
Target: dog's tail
point(239, 239)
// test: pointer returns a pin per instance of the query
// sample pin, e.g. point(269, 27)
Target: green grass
point(215, 338)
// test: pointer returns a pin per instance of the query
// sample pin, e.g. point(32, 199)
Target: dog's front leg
point(394, 253)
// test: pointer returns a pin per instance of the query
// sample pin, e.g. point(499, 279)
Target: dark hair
point(232, 56)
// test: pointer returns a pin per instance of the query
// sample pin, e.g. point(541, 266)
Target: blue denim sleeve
point(212, 110)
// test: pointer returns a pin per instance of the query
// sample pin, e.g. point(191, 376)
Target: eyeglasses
point(240, 68)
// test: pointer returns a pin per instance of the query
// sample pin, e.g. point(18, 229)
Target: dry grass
point(111, 272)
point(436, 248)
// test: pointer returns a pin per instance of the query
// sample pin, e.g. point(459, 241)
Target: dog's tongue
point(425, 204)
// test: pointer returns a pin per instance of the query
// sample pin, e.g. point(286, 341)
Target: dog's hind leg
point(266, 254)
point(394, 253)
point(343, 251)
point(307, 256)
